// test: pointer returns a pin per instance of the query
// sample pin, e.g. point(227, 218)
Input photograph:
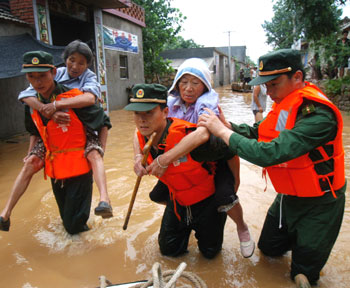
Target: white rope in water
point(104, 282)
point(167, 279)
point(172, 276)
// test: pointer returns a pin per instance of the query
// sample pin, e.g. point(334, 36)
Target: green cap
point(37, 61)
point(274, 64)
point(146, 97)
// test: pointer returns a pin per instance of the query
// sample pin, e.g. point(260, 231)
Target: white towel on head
point(196, 67)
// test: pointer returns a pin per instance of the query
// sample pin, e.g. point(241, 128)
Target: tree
point(249, 61)
point(316, 18)
point(298, 19)
point(163, 23)
point(179, 42)
point(281, 31)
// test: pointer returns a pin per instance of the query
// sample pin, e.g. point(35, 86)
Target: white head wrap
point(196, 67)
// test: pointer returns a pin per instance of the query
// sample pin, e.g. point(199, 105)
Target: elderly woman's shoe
point(247, 245)
point(104, 209)
point(301, 281)
point(4, 224)
point(247, 248)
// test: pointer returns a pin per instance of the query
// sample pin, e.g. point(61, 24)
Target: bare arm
point(33, 103)
point(185, 146)
point(136, 145)
point(215, 126)
point(80, 101)
point(47, 110)
point(256, 93)
point(138, 155)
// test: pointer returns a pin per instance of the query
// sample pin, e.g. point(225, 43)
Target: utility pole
point(229, 56)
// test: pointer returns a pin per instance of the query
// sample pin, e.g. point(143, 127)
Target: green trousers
point(308, 227)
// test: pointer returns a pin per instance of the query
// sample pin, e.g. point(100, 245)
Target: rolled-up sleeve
point(29, 92)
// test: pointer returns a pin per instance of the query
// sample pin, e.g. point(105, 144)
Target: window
point(123, 60)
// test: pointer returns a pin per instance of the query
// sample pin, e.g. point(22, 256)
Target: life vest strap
point(263, 175)
point(172, 196)
point(324, 155)
point(52, 152)
point(330, 185)
point(50, 155)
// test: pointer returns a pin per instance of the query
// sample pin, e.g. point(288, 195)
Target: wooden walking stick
point(145, 151)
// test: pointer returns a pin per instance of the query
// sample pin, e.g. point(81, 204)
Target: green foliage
point(330, 54)
point(302, 19)
point(333, 87)
point(315, 18)
point(249, 61)
point(179, 42)
point(280, 32)
point(163, 23)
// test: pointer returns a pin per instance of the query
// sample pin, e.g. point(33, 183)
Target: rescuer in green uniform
point(300, 145)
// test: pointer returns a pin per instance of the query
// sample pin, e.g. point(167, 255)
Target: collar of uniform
point(58, 90)
point(66, 76)
point(156, 152)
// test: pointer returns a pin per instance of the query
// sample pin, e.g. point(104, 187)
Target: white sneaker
point(247, 248)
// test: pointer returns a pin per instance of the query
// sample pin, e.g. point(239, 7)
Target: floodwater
point(37, 252)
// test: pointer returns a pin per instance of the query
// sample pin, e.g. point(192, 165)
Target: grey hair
point(80, 47)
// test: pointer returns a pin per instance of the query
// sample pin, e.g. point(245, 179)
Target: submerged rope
point(167, 279)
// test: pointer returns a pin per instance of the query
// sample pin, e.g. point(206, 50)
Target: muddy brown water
point(37, 252)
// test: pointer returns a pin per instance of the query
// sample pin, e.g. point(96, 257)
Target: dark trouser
point(224, 187)
point(159, 193)
point(74, 201)
point(224, 184)
point(203, 218)
point(310, 228)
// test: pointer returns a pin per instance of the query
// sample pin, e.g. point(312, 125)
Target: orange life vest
point(187, 180)
point(298, 176)
point(65, 144)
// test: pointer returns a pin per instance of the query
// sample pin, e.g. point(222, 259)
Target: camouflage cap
point(146, 97)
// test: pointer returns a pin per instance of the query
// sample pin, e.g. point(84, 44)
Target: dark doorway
point(66, 29)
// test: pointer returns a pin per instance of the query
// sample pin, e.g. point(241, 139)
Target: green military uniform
point(92, 117)
point(202, 216)
point(315, 243)
point(73, 195)
point(308, 226)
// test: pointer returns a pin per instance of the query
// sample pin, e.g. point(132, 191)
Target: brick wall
point(134, 11)
point(23, 9)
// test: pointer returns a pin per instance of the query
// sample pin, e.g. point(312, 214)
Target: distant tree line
point(316, 22)
point(163, 24)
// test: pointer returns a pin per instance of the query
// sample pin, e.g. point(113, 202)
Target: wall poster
point(120, 40)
